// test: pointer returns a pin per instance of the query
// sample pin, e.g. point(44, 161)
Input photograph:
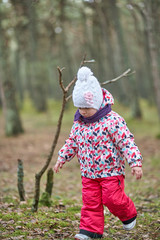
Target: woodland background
point(36, 36)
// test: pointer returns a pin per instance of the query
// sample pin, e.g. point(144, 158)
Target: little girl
point(102, 142)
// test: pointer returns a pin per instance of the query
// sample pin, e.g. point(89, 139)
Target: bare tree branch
point(125, 74)
point(70, 84)
point(68, 98)
point(89, 61)
point(139, 8)
point(44, 168)
point(60, 79)
point(39, 175)
point(83, 60)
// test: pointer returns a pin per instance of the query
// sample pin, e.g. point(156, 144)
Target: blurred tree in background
point(13, 124)
point(36, 36)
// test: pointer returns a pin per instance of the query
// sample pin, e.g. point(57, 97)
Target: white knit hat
point(87, 92)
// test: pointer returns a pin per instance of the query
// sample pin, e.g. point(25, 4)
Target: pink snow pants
point(104, 191)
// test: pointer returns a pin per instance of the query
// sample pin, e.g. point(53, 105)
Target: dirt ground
point(33, 148)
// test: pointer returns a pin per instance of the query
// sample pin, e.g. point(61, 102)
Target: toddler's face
point(87, 112)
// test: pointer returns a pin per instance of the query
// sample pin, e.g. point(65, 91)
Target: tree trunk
point(35, 72)
point(132, 87)
point(153, 52)
point(44, 168)
point(65, 52)
point(147, 70)
point(105, 21)
point(13, 124)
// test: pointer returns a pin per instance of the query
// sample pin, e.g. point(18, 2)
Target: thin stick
point(60, 79)
point(125, 74)
point(55, 140)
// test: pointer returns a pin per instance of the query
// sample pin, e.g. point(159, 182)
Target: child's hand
point(57, 166)
point(137, 171)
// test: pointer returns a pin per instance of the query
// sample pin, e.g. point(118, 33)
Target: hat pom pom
point(84, 73)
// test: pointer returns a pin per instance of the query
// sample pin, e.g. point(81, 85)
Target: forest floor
point(61, 220)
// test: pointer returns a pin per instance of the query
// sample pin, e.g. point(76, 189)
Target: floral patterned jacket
point(103, 146)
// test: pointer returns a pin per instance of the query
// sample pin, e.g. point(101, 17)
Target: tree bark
point(35, 71)
point(132, 88)
point(153, 52)
point(147, 71)
point(49, 184)
point(13, 125)
point(65, 99)
point(39, 175)
point(20, 176)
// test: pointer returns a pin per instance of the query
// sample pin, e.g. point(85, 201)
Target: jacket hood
point(107, 98)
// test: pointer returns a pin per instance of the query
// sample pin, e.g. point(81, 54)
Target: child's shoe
point(129, 226)
point(81, 236)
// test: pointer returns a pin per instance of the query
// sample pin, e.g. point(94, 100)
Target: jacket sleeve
point(125, 143)
point(69, 150)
